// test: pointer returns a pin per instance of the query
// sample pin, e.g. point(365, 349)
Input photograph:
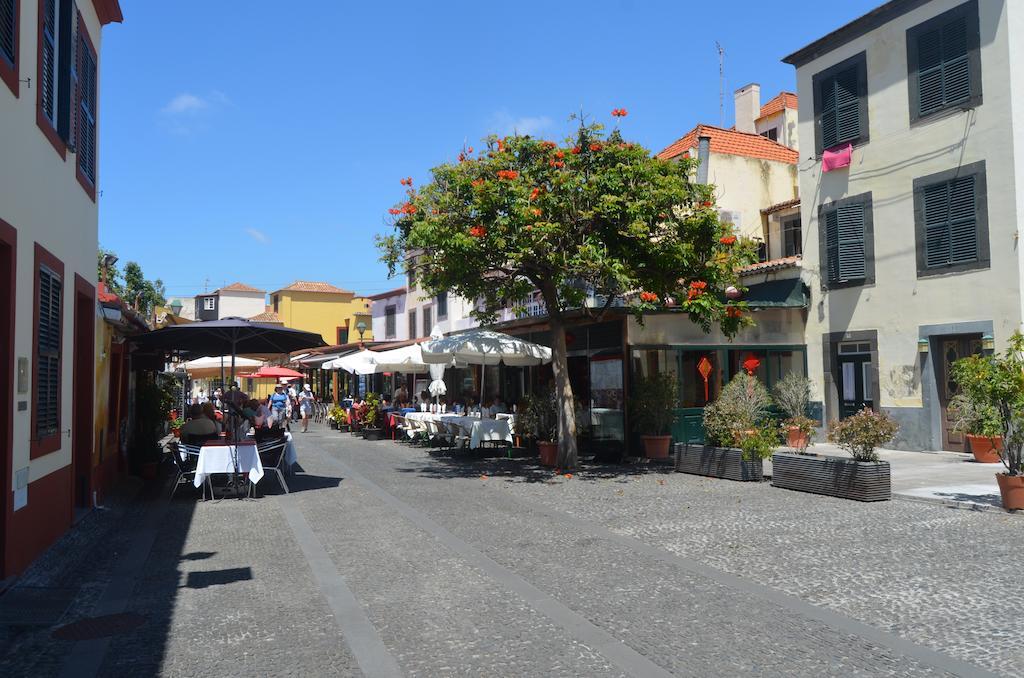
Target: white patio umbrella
point(437, 386)
point(405, 359)
point(485, 347)
point(356, 363)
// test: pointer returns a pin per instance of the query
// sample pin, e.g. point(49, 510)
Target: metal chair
point(185, 458)
point(272, 457)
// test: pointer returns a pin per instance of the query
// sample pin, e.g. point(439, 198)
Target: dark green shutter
point(944, 76)
point(8, 31)
point(86, 128)
point(950, 221)
point(48, 95)
point(840, 108)
point(48, 351)
point(844, 233)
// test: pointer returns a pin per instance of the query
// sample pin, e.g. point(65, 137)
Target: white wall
point(747, 185)
point(377, 309)
point(241, 304)
point(42, 199)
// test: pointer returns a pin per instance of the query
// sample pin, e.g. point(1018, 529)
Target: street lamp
point(361, 328)
point(107, 261)
point(176, 307)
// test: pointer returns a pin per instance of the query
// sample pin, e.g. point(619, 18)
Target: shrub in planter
point(373, 417)
point(743, 406)
point(337, 416)
point(760, 443)
point(792, 396)
point(652, 409)
point(998, 382)
point(542, 416)
point(980, 424)
point(862, 432)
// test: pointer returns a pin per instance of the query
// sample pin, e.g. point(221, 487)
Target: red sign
point(704, 367)
point(751, 364)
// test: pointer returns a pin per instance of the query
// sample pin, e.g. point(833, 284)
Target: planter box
point(373, 433)
point(717, 462)
point(834, 476)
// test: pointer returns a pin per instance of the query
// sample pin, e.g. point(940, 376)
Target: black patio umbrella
point(228, 336)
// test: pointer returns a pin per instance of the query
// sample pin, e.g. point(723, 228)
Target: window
point(47, 353)
point(57, 72)
point(792, 237)
point(442, 306)
point(390, 326)
point(428, 324)
point(772, 133)
point(951, 221)
point(847, 241)
point(841, 104)
point(944, 62)
point(412, 324)
point(342, 335)
point(209, 303)
point(85, 130)
point(275, 301)
point(9, 26)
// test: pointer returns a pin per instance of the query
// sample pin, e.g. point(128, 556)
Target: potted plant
point(176, 424)
point(792, 396)
point(373, 418)
point(862, 433)
point(543, 416)
point(653, 411)
point(336, 417)
point(759, 444)
point(980, 424)
point(998, 382)
point(525, 424)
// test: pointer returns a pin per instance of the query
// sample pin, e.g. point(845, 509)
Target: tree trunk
point(567, 449)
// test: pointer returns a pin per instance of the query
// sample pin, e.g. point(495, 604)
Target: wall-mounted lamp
point(361, 328)
point(922, 346)
point(988, 343)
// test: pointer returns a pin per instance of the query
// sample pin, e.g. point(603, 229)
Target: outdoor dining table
point(480, 430)
point(215, 459)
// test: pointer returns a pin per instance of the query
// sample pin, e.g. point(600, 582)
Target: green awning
point(789, 293)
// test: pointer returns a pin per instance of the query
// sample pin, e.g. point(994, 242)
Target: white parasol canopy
point(485, 347)
point(407, 359)
point(216, 361)
point(437, 386)
point(356, 363)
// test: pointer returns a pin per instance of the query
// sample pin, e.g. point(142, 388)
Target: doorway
point(84, 388)
point(949, 349)
point(855, 370)
point(8, 261)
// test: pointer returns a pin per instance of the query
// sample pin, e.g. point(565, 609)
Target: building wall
point(41, 198)
point(201, 311)
point(242, 304)
point(776, 241)
point(899, 305)
point(322, 313)
point(458, 316)
point(787, 122)
point(378, 310)
point(745, 186)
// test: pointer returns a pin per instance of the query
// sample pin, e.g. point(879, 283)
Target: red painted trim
point(9, 72)
point(46, 517)
point(48, 130)
point(108, 11)
point(9, 237)
point(38, 448)
point(89, 186)
point(83, 394)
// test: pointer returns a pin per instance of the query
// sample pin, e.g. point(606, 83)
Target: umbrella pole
point(483, 380)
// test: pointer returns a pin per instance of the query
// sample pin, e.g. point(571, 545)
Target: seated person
point(213, 415)
point(257, 413)
point(198, 428)
point(499, 406)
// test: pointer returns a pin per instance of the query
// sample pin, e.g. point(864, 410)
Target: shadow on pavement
point(528, 470)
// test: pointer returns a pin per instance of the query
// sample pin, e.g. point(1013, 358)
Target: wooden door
point(951, 349)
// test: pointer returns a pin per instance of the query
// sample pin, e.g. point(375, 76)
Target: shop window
point(702, 378)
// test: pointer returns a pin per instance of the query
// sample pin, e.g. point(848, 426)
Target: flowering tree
point(593, 218)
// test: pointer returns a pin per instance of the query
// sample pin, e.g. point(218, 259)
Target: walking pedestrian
point(306, 401)
point(278, 403)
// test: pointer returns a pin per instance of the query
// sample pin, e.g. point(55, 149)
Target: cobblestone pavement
point(385, 560)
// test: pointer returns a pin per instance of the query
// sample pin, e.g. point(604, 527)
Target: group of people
point(286, 405)
point(206, 418)
point(489, 407)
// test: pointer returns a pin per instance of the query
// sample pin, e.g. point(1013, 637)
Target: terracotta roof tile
point(390, 293)
point(313, 286)
point(778, 207)
point(731, 142)
point(772, 265)
point(239, 287)
point(782, 101)
point(267, 317)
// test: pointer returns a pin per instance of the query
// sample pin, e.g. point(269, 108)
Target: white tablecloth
point(290, 456)
point(480, 430)
point(220, 459)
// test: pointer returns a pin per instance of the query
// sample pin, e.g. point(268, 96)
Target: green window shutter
point(48, 351)
point(8, 31)
point(832, 245)
point(944, 76)
point(950, 222)
point(844, 236)
point(86, 128)
point(840, 108)
point(48, 86)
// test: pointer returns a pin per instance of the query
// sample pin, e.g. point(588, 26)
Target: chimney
point(748, 107)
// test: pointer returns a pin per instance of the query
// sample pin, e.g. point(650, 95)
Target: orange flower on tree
point(596, 147)
point(560, 154)
point(478, 231)
point(478, 182)
point(501, 146)
point(696, 289)
point(733, 312)
point(534, 194)
point(507, 174)
point(536, 211)
point(727, 240)
point(649, 297)
point(619, 113)
point(576, 150)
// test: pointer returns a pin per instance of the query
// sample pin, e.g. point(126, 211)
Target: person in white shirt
point(306, 401)
point(293, 399)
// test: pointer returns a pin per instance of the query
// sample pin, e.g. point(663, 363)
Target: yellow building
point(320, 307)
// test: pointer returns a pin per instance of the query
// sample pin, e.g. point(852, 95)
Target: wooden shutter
point(950, 222)
point(48, 351)
point(86, 128)
point(840, 106)
point(844, 238)
point(48, 51)
point(944, 74)
point(427, 322)
point(8, 31)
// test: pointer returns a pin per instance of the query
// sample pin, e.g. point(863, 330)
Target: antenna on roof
point(721, 83)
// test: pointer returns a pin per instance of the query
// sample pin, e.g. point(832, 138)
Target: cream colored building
point(912, 250)
point(49, 178)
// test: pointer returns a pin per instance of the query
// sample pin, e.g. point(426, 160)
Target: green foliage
point(373, 414)
point(654, 402)
point(998, 382)
point(973, 417)
point(743, 405)
point(131, 285)
point(861, 433)
point(541, 416)
point(761, 442)
point(153, 400)
point(337, 414)
point(177, 423)
point(792, 395)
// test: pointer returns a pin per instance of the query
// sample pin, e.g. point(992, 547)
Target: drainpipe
point(703, 152)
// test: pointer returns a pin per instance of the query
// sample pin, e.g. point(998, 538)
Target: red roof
point(267, 317)
point(239, 287)
point(731, 142)
point(771, 265)
point(390, 293)
point(311, 286)
point(782, 101)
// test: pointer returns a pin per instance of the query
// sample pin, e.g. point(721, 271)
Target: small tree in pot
point(980, 424)
point(998, 382)
point(653, 410)
point(861, 433)
point(373, 418)
point(743, 406)
point(542, 415)
point(792, 396)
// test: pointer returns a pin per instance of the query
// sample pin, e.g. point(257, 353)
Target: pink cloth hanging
point(836, 157)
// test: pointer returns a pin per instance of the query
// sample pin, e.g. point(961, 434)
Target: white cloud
point(258, 235)
point(504, 122)
point(185, 103)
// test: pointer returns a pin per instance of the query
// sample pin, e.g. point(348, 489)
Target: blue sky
point(267, 145)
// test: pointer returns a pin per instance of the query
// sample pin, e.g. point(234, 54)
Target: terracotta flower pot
point(985, 448)
point(373, 433)
point(1012, 489)
point(656, 447)
point(548, 452)
point(796, 438)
